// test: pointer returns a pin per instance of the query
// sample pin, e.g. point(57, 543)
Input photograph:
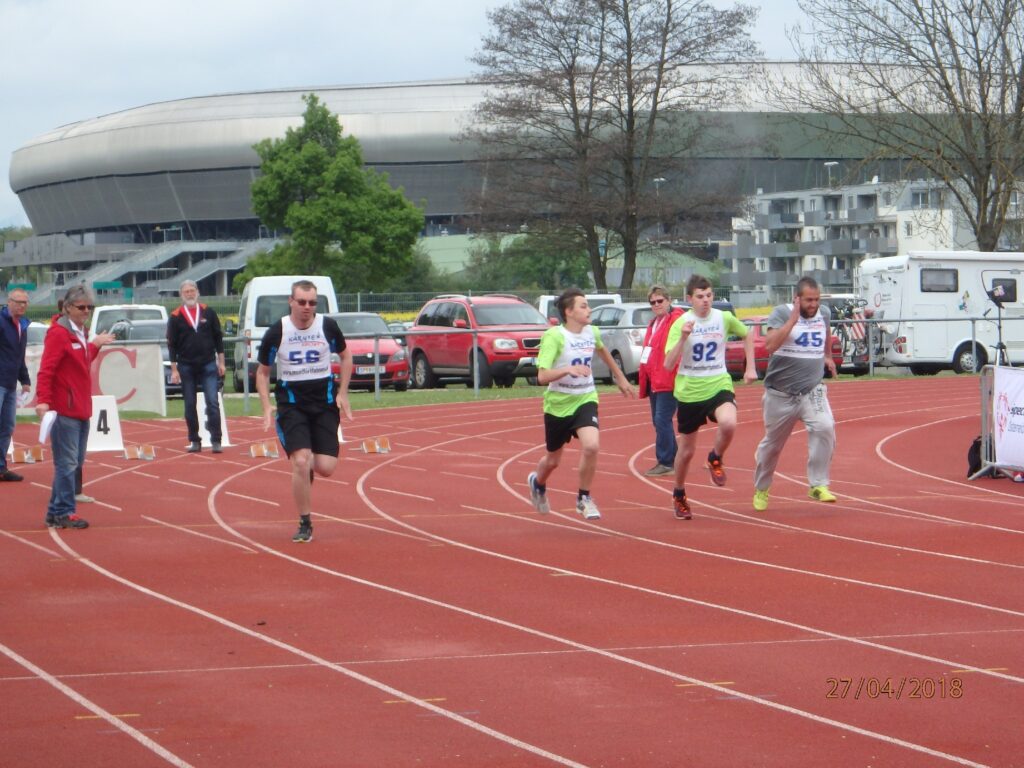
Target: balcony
point(778, 220)
point(857, 246)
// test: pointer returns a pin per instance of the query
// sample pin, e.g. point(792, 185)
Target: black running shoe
point(305, 533)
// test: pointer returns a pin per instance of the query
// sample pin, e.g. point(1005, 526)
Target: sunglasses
point(655, 302)
point(84, 307)
point(305, 302)
point(18, 301)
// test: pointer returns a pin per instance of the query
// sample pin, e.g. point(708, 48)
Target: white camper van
point(264, 302)
point(951, 287)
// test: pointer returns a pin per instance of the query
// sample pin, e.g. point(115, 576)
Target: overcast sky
point(62, 61)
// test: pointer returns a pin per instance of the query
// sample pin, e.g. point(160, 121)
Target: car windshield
point(270, 309)
point(147, 332)
point(508, 314)
point(354, 325)
point(107, 318)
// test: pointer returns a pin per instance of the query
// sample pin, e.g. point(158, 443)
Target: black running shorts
point(312, 427)
point(559, 430)
point(692, 416)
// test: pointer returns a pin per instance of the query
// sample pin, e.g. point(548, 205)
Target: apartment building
point(827, 232)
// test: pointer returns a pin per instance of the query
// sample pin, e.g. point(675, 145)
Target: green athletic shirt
point(711, 349)
point(560, 347)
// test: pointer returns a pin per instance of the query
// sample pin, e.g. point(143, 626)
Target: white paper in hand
point(23, 398)
point(45, 425)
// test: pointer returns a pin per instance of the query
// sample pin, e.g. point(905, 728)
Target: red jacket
point(654, 376)
point(64, 381)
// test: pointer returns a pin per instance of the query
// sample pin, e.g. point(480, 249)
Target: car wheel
point(966, 360)
point(483, 370)
point(237, 381)
point(422, 375)
point(504, 381)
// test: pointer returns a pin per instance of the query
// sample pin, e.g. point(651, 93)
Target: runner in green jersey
point(570, 403)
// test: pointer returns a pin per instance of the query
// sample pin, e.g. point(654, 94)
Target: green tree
point(548, 260)
point(343, 219)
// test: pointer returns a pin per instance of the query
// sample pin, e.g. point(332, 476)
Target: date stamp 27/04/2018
point(894, 688)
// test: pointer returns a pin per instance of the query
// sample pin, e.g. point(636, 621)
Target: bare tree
point(593, 101)
point(936, 85)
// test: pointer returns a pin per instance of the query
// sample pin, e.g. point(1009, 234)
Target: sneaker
point(659, 469)
point(10, 477)
point(821, 493)
point(194, 447)
point(305, 533)
point(681, 506)
point(717, 471)
point(216, 448)
point(81, 498)
point(66, 521)
point(538, 497)
point(761, 500)
point(586, 507)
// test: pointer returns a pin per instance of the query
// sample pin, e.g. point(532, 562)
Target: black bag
point(974, 458)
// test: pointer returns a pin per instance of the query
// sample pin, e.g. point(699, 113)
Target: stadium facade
point(152, 194)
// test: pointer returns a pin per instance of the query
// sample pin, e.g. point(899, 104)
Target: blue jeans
point(202, 376)
point(68, 437)
point(663, 408)
point(8, 412)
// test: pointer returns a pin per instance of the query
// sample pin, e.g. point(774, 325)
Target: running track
point(437, 620)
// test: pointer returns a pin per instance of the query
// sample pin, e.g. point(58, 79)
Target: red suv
point(507, 339)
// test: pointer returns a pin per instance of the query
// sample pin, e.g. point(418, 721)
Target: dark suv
point(507, 339)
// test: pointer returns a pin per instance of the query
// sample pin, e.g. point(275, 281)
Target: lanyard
point(193, 321)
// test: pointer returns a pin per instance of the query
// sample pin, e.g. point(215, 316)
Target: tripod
point(997, 297)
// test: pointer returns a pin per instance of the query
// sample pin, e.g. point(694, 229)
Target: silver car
point(622, 330)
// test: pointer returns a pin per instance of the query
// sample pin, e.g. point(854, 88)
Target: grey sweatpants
point(781, 413)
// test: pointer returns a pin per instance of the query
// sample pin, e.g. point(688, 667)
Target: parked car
point(546, 304)
point(36, 333)
point(735, 360)
point(105, 316)
point(149, 330)
point(360, 329)
point(507, 339)
point(400, 328)
point(623, 341)
point(722, 304)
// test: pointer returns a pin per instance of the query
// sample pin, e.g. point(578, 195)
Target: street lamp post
point(830, 165)
point(657, 186)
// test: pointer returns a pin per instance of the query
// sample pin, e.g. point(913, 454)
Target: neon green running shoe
point(761, 500)
point(821, 493)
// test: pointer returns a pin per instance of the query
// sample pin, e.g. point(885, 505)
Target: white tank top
point(577, 349)
point(807, 339)
point(704, 350)
point(304, 354)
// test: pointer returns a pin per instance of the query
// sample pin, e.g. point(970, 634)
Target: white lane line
point(184, 482)
point(352, 674)
point(32, 544)
point(252, 498)
point(183, 529)
point(140, 473)
point(96, 709)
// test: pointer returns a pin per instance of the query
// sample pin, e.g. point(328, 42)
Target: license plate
point(369, 370)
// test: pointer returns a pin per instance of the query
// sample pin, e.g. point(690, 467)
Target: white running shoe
point(588, 508)
point(539, 499)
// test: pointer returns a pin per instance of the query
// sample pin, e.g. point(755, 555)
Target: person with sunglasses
point(13, 371)
point(309, 401)
point(657, 382)
point(64, 386)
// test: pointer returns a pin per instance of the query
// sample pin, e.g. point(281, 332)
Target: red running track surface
point(437, 620)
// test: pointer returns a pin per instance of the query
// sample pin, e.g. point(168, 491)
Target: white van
point(944, 288)
point(264, 302)
point(546, 304)
point(105, 315)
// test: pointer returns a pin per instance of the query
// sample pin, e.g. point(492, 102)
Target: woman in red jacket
point(64, 386)
point(657, 382)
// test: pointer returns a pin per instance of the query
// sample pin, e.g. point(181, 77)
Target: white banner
point(132, 374)
point(1008, 416)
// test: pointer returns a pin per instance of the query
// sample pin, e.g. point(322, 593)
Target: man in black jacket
point(13, 337)
point(196, 346)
